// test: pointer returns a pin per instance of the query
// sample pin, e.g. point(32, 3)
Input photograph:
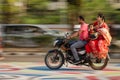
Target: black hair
point(101, 16)
point(82, 18)
point(90, 24)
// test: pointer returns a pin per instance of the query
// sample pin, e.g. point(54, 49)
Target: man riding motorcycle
point(83, 35)
point(74, 52)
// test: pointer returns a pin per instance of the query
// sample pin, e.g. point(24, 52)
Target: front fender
point(55, 50)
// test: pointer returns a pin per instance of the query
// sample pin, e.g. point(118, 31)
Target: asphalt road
point(32, 67)
point(39, 71)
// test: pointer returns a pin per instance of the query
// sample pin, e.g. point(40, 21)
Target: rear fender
point(108, 56)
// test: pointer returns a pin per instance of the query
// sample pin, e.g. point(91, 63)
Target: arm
point(75, 34)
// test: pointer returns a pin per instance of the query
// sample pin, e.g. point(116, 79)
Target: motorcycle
point(62, 54)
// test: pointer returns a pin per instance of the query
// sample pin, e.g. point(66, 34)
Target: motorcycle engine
point(69, 56)
point(81, 53)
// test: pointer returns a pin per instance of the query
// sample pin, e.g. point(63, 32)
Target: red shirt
point(84, 33)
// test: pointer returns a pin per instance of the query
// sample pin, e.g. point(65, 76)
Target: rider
point(83, 35)
point(99, 46)
point(91, 32)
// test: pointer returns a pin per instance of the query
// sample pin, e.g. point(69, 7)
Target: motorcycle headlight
point(55, 42)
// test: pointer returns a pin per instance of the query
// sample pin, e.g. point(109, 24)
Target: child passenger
point(92, 32)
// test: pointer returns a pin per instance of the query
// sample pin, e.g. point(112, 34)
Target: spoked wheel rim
point(97, 63)
point(54, 61)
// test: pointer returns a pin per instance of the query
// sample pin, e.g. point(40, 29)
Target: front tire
point(99, 66)
point(54, 59)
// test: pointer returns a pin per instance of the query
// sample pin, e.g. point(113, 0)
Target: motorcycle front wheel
point(54, 59)
point(98, 64)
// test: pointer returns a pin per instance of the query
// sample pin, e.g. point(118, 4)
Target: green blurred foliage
point(36, 11)
point(44, 19)
point(90, 9)
point(12, 7)
point(37, 4)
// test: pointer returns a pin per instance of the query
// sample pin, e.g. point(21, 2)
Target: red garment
point(97, 26)
point(91, 32)
point(95, 23)
point(99, 47)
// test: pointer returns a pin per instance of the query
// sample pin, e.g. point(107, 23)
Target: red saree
point(99, 47)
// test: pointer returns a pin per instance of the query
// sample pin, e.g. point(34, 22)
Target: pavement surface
point(39, 71)
point(32, 67)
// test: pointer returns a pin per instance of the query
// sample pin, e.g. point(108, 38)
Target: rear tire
point(93, 66)
point(59, 58)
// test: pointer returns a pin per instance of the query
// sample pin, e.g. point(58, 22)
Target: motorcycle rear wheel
point(99, 65)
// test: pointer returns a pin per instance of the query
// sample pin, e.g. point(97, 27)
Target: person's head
point(81, 19)
point(100, 17)
point(90, 26)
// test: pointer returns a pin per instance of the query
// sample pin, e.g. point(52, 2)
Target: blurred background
point(36, 23)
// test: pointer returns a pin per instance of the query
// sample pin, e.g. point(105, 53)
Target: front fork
point(57, 51)
point(55, 56)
